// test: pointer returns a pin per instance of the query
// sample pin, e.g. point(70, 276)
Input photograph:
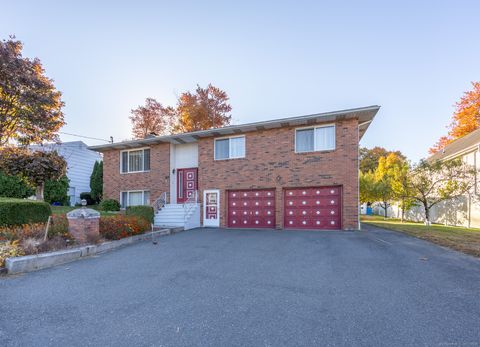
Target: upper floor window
point(230, 148)
point(320, 138)
point(136, 160)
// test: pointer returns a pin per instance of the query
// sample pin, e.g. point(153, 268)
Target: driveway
point(251, 288)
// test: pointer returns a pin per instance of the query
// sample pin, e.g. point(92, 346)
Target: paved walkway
point(251, 288)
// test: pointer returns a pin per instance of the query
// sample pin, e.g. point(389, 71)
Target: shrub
point(96, 181)
point(9, 249)
point(18, 211)
point(58, 226)
point(14, 187)
point(87, 196)
point(120, 226)
point(141, 211)
point(110, 205)
point(57, 191)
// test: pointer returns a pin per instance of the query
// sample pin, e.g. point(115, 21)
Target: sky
point(274, 59)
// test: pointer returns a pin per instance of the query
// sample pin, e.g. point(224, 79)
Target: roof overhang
point(364, 115)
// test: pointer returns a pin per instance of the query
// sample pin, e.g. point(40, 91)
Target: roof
point(458, 147)
point(364, 115)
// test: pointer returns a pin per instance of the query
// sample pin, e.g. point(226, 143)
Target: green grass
point(462, 239)
point(61, 210)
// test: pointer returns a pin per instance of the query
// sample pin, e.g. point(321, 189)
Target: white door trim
point(211, 210)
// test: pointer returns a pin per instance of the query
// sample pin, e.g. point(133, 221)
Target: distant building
point(80, 161)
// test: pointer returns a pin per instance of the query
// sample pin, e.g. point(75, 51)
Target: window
point(135, 198)
point(230, 148)
point(137, 160)
point(320, 138)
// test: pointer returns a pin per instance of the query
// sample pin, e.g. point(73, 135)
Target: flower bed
point(28, 239)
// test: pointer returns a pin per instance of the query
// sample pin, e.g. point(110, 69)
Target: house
point(298, 172)
point(462, 211)
point(80, 161)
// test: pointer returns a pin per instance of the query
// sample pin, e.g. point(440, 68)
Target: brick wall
point(271, 162)
point(156, 180)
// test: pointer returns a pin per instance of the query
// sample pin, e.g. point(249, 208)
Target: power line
point(87, 137)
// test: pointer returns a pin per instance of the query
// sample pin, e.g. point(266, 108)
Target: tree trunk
point(427, 214)
point(39, 192)
point(402, 214)
point(385, 209)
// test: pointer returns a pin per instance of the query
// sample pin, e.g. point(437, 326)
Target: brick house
point(298, 172)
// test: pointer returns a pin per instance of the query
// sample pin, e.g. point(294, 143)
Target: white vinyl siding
point(135, 198)
point(137, 160)
point(230, 148)
point(321, 138)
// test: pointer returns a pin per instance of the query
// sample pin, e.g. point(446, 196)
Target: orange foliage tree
point(466, 118)
point(152, 118)
point(205, 109)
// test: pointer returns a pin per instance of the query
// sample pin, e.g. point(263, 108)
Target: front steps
point(176, 215)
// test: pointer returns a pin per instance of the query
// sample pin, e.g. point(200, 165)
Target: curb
point(34, 262)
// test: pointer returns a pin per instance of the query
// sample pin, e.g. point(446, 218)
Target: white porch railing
point(190, 204)
point(160, 202)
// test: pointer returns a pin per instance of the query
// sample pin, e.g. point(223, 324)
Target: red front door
point(187, 183)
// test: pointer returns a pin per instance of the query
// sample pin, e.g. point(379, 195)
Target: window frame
point(128, 159)
point(315, 127)
point(229, 147)
point(128, 196)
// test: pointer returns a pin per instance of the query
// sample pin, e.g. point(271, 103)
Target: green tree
point(369, 157)
point(14, 187)
point(56, 191)
point(400, 173)
point(96, 181)
point(30, 106)
point(36, 167)
point(434, 182)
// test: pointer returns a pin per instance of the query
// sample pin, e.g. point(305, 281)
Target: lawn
point(466, 240)
point(61, 210)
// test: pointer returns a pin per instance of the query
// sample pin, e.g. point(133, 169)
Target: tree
point(207, 108)
point(30, 106)
point(369, 157)
point(434, 182)
point(14, 187)
point(56, 191)
point(152, 118)
point(466, 118)
point(401, 187)
point(36, 167)
point(96, 181)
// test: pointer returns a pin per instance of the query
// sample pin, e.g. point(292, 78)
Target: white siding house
point(80, 161)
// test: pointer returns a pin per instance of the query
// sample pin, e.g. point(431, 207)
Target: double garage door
point(304, 208)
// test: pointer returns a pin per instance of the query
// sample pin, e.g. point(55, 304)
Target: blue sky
point(274, 59)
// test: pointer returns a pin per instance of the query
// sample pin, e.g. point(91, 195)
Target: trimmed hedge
point(145, 212)
point(19, 211)
point(110, 205)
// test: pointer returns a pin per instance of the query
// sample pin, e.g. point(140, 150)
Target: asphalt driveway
point(251, 288)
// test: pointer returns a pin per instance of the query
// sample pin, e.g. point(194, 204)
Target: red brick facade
point(270, 162)
point(156, 180)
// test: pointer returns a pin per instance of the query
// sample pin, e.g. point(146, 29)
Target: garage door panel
point(313, 208)
point(251, 208)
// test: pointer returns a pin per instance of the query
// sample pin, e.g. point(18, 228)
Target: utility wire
point(86, 137)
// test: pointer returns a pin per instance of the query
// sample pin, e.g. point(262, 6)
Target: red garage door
point(313, 208)
point(251, 208)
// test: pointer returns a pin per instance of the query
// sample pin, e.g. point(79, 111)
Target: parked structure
point(299, 172)
point(463, 211)
point(80, 161)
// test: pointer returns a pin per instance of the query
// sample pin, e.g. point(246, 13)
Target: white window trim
point(128, 196)
point(315, 138)
point(128, 159)
point(229, 147)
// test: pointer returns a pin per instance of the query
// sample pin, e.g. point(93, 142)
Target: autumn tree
point(466, 118)
point(30, 106)
point(37, 167)
point(152, 118)
point(369, 157)
point(434, 182)
point(207, 108)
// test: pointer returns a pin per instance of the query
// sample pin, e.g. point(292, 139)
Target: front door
point(187, 183)
point(211, 208)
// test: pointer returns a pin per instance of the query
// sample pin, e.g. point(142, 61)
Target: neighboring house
point(80, 161)
point(463, 211)
point(299, 173)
